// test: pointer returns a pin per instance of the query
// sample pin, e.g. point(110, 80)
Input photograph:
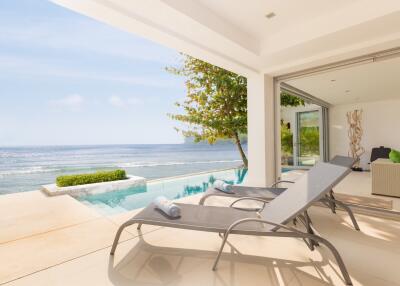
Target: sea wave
point(29, 170)
point(157, 164)
point(44, 169)
point(48, 169)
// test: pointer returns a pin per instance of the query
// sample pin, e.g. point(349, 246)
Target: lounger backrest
point(343, 161)
point(306, 190)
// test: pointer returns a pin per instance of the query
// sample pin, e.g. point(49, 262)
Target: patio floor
point(355, 184)
point(59, 241)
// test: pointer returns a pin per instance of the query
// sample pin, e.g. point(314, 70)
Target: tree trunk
point(239, 145)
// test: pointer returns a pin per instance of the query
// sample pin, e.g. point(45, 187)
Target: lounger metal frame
point(287, 232)
point(328, 200)
point(270, 221)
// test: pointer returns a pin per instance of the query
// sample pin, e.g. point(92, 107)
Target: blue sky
point(67, 79)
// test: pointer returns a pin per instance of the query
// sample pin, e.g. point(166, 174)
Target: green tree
point(309, 136)
point(286, 139)
point(290, 100)
point(216, 103)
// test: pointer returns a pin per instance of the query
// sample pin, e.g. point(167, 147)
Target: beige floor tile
point(119, 219)
point(360, 184)
point(179, 257)
point(29, 213)
point(25, 256)
point(165, 256)
point(356, 183)
point(375, 250)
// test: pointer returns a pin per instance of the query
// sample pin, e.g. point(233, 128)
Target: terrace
point(338, 56)
point(66, 243)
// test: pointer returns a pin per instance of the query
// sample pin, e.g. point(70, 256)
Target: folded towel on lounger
point(222, 186)
point(167, 207)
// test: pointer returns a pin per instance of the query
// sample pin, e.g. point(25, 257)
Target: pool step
point(104, 209)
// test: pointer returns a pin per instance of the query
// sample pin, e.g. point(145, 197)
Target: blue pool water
point(174, 188)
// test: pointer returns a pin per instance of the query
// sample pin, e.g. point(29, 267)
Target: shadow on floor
point(152, 265)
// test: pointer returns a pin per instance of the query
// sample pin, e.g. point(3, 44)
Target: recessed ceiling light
point(347, 90)
point(270, 15)
point(332, 80)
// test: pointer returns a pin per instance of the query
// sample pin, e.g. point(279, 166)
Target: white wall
point(261, 146)
point(380, 122)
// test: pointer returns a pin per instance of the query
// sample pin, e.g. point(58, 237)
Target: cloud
point(73, 102)
point(120, 102)
point(116, 101)
point(45, 68)
point(75, 34)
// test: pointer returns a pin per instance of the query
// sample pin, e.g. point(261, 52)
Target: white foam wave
point(157, 164)
point(41, 169)
point(30, 170)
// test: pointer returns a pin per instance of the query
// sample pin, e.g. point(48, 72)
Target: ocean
point(27, 168)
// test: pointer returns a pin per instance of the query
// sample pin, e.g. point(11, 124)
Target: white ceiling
point(367, 82)
point(250, 15)
point(236, 35)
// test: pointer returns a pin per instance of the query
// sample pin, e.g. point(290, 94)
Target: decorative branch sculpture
point(355, 133)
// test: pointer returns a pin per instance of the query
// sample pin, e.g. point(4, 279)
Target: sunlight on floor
point(77, 253)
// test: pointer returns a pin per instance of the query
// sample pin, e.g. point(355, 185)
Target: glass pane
point(308, 141)
point(286, 144)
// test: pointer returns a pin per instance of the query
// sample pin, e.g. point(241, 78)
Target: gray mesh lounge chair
point(245, 193)
point(270, 221)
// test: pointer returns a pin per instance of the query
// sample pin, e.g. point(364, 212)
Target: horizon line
point(83, 145)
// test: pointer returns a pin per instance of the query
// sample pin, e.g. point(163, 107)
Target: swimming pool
point(173, 188)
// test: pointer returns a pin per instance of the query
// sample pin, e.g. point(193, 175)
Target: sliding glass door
point(307, 140)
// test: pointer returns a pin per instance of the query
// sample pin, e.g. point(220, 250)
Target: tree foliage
point(286, 139)
point(216, 103)
point(309, 137)
point(290, 100)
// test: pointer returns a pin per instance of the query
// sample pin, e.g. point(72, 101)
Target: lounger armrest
point(281, 181)
point(249, 199)
point(276, 225)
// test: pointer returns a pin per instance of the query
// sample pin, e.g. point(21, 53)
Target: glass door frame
point(296, 137)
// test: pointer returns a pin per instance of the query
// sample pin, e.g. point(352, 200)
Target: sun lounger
point(244, 193)
point(270, 221)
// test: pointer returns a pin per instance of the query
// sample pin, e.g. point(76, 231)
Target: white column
point(261, 131)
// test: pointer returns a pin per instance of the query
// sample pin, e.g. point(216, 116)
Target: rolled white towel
point(222, 186)
point(167, 207)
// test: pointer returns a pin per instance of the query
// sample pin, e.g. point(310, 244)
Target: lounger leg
point(308, 219)
point(350, 213)
point(332, 202)
point(118, 234)
point(310, 230)
point(139, 226)
point(290, 233)
point(338, 258)
point(225, 237)
point(305, 219)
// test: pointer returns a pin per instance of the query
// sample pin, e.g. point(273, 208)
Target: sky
point(66, 79)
